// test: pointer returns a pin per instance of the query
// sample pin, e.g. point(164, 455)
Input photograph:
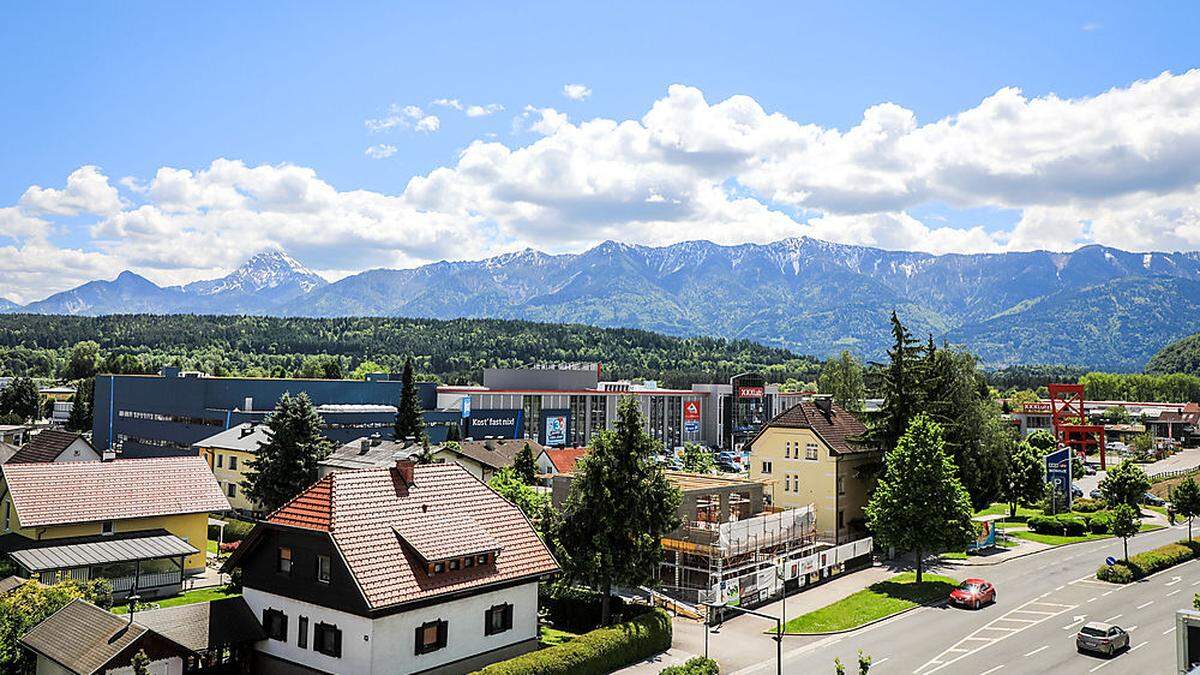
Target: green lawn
point(212, 547)
point(199, 595)
point(998, 509)
point(874, 602)
point(1059, 540)
point(551, 637)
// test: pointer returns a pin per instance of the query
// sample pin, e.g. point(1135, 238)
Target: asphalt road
point(1185, 459)
point(1042, 600)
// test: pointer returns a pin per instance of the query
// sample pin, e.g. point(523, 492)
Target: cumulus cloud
point(1116, 168)
point(484, 110)
point(404, 117)
point(576, 92)
point(380, 151)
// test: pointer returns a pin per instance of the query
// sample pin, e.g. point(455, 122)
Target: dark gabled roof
point(46, 446)
point(10, 584)
point(84, 638)
point(494, 453)
point(366, 453)
point(836, 427)
point(245, 437)
point(204, 625)
point(433, 537)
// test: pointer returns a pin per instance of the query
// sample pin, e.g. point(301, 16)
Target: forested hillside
point(453, 351)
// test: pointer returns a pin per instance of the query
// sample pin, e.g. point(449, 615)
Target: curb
point(932, 603)
point(957, 564)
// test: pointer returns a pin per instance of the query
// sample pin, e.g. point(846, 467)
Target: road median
point(879, 601)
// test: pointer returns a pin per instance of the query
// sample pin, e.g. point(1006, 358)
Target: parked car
point(1076, 492)
point(1152, 500)
point(1089, 470)
point(1102, 638)
point(728, 467)
point(1096, 494)
point(973, 593)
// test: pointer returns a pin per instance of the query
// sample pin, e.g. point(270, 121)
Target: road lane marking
point(1134, 649)
point(1144, 605)
point(1059, 588)
point(878, 663)
point(1099, 666)
point(1174, 592)
point(992, 670)
point(1113, 618)
point(985, 636)
point(1169, 630)
point(1093, 599)
point(1173, 581)
point(1038, 650)
point(1106, 594)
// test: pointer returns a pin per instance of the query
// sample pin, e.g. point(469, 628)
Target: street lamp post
point(778, 632)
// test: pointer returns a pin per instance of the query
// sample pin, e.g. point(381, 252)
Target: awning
point(101, 551)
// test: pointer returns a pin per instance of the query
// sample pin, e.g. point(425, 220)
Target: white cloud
point(403, 117)
point(484, 110)
point(449, 103)
point(428, 123)
point(1117, 168)
point(380, 151)
point(576, 92)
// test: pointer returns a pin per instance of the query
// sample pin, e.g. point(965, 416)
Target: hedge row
point(601, 651)
point(697, 665)
point(1098, 523)
point(1145, 564)
point(577, 610)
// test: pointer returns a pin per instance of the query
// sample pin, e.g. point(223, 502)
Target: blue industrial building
point(165, 414)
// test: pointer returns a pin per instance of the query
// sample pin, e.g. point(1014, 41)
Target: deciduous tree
point(1125, 483)
point(20, 398)
point(81, 364)
point(1024, 475)
point(697, 460)
point(287, 462)
point(842, 377)
point(618, 510)
point(31, 603)
point(1186, 500)
point(1125, 524)
point(80, 418)
point(919, 504)
point(508, 484)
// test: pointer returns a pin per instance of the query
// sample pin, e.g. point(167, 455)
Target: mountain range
point(1097, 306)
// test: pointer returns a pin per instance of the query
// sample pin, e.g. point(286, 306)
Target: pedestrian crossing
point(1024, 617)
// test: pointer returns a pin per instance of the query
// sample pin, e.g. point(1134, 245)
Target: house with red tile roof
point(559, 460)
point(396, 569)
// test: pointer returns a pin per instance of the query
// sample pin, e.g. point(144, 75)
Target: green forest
point(452, 352)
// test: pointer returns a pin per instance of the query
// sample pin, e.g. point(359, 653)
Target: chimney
point(364, 444)
point(108, 456)
point(405, 465)
point(825, 405)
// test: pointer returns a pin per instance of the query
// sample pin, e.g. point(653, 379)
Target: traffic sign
point(1110, 561)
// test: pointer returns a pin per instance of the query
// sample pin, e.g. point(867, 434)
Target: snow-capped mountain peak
point(268, 270)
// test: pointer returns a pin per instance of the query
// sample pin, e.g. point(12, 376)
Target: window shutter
point(487, 620)
point(337, 642)
point(442, 626)
point(508, 613)
point(283, 619)
point(419, 648)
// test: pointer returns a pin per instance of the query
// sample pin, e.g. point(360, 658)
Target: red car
point(973, 593)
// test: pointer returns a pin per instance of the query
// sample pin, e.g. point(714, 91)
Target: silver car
point(1103, 638)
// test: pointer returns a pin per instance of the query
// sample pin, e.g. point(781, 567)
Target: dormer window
point(482, 558)
point(454, 564)
point(469, 561)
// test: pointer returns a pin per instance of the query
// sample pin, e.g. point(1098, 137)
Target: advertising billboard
point(751, 392)
point(498, 423)
point(555, 432)
point(1058, 472)
point(691, 411)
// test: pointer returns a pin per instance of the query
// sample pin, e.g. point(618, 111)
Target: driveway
point(1185, 459)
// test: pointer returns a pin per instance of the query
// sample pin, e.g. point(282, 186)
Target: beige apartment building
point(807, 455)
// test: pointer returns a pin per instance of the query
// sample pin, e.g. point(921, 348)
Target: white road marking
point(1143, 644)
point(1174, 592)
point(1113, 618)
point(986, 635)
point(1038, 650)
point(1144, 605)
point(1093, 599)
point(1173, 581)
point(1059, 588)
point(1099, 666)
point(1106, 594)
point(1169, 630)
point(992, 670)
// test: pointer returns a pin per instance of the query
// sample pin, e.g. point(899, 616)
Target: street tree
point(1125, 524)
point(920, 505)
point(287, 462)
point(409, 421)
point(1024, 475)
point(31, 603)
point(20, 398)
point(842, 377)
point(524, 466)
point(1186, 500)
point(619, 508)
point(1143, 444)
point(1125, 483)
point(697, 460)
point(1042, 440)
point(901, 389)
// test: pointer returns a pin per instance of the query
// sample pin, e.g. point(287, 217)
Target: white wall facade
point(79, 451)
point(387, 644)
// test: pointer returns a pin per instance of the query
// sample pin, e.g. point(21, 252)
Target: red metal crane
point(1070, 421)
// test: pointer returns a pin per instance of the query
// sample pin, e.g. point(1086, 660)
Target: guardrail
point(1178, 473)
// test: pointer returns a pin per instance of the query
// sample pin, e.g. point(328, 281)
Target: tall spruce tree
point(409, 422)
point(287, 462)
point(618, 510)
point(523, 465)
point(920, 505)
point(80, 418)
point(901, 387)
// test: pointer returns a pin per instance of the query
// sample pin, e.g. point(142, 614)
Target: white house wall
point(356, 651)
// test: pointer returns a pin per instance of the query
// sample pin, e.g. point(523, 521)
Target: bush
point(1085, 505)
point(577, 610)
point(601, 651)
point(1073, 527)
point(235, 530)
point(1149, 562)
point(1099, 523)
point(694, 666)
point(1046, 525)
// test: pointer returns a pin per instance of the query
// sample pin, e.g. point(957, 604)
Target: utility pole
point(778, 632)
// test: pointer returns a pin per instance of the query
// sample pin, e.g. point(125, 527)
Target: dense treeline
point(1180, 356)
point(1174, 388)
point(454, 351)
point(1032, 376)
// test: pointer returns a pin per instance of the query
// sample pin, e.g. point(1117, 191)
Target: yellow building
point(806, 454)
point(228, 455)
point(141, 523)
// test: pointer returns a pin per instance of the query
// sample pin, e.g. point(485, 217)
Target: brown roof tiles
point(46, 446)
point(837, 427)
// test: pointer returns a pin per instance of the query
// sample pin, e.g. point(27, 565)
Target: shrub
point(577, 610)
point(1045, 524)
point(1100, 523)
point(1085, 505)
point(1149, 562)
point(601, 651)
point(235, 530)
point(1073, 527)
point(694, 666)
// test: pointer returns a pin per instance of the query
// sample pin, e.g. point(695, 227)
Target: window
point(766, 467)
point(220, 460)
point(327, 639)
point(285, 560)
point(787, 482)
point(6, 517)
point(323, 569)
point(275, 624)
point(482, 559)
point(469, 561)
point(232, 489)
point(841, 485)
point(497, 619)
point(431, 636)
point(454, 564)
point(841, 519)
point(810, 451)
point(233, 462)
point(302, 632)
point(787, 450)
point(106, 527)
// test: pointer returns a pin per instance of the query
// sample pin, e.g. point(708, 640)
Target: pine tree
point(618, 510)
point(920, 505)
point(524, 466)
point(287, 462)
point(409, 422)
point(901, 390)
point(81, 408)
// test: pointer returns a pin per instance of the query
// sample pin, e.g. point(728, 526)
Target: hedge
point(697, 665)
point(1149, 562)
point(1097, 523)
point(1086, 505)
point(235, 530)
point(601, 651)
point(577, 610)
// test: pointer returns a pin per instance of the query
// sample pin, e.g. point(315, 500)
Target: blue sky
point(133, 87)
